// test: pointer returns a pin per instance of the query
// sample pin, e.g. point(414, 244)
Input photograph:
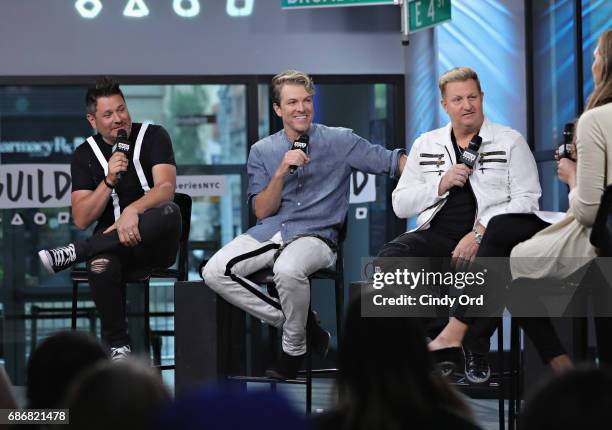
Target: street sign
point(427, 13)
point(300, 4)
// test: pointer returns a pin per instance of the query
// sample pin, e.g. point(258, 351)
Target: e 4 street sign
point(427, 13)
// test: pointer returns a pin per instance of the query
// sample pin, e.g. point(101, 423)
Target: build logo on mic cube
point(469, 158)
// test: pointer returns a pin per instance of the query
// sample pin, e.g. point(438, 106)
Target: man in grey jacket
point(453, 203)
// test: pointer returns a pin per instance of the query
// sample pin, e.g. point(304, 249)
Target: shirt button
point(283, 224)
point(299, 185)
point(299, 204)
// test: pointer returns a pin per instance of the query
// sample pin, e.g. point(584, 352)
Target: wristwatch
point(478, 236)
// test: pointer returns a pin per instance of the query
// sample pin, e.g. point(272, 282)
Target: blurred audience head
point(125, 395)
point(387, 376)
point(221, 407)
point(580, 398)
point(56, 362)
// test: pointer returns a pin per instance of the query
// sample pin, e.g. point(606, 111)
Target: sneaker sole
point(45, 259)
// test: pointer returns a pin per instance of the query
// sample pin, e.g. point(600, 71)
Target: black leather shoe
point(447, 359)
point(319, 338)
point(477, 368)
point(286, 367)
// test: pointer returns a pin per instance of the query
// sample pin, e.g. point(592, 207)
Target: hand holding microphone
point(459, 173)
point(456, 176)
point(119, 161)
point(566, 149)
point(298, 154)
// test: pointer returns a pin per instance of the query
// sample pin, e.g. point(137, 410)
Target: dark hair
point(117, 395)
point(579, 398)
point(104, 86)
point(387, 376)
point(56, 362)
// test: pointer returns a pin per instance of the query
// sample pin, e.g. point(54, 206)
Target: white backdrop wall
point(49, 37)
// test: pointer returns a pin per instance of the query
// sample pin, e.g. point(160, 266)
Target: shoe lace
point(64, 255)
point(120, 352)
point(476, 360)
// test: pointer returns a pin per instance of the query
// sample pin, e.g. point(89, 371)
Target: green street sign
point(427, 13)
point(299, 4)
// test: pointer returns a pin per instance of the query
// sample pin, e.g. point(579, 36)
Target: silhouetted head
point(56, 362)
point(580, 398)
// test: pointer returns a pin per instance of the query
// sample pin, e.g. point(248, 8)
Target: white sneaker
point(120, 352)
point(57, 259)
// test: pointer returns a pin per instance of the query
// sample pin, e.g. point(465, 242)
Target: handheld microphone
point(300, 143)
point(568, 136)
point(121, 145)
point(470, 154)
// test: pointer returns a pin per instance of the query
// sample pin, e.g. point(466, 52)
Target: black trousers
point(108, 263)
point(503, 233)
point(438, 248)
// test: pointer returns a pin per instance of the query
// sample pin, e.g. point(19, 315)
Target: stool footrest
point(266, 380)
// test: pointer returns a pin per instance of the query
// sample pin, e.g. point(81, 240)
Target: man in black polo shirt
point(454, 203)
point(130, 196)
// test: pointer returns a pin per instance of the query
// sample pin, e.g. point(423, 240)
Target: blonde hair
point(457, 74)
point(290, 77)
point(602, 94)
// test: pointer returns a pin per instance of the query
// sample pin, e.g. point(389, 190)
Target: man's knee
point(287, 272)
point(395, 249)
point(497, 224)
point(99, 265)
point(212, 273)
point(104, 266)
point(170, 209)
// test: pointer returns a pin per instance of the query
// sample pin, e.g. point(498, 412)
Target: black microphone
point(470, 154)
point(300, 143)
point(565, 150)
point(121, 145)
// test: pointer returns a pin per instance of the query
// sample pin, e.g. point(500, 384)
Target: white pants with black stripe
point(297, 261)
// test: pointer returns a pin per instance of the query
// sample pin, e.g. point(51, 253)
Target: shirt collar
point(485, 132)
point(311, 131)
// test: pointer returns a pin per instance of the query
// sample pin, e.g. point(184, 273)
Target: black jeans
point(108, 262)
point(503, 233)
point(430, 244)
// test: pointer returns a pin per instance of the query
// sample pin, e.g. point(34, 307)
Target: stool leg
point(73, 313)
point(308, 375)
point(515, 348)
point(339, 291)
point(147, 319)
point(500, 355)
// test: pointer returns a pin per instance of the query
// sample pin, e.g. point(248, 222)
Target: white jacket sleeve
point(524, 182)
point(414, 193)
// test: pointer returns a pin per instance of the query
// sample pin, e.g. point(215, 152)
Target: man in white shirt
point(453, 202)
